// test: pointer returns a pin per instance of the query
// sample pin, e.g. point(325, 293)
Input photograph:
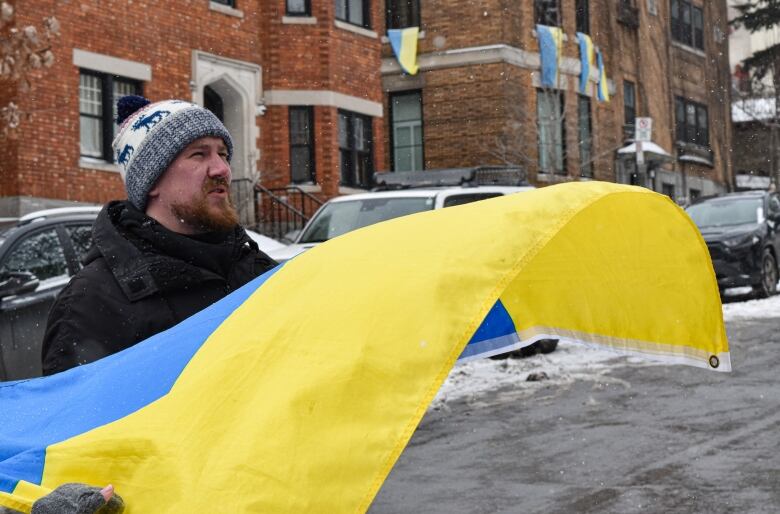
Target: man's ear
point(154, 192)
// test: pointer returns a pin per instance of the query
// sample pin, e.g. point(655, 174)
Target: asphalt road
point(651, 439)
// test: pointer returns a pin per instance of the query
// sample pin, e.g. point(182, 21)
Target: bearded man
point(171, 249)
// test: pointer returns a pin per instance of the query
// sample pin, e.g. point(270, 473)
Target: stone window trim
point(112, 65)
point(91, 163)
point(689, 49)
point(225, 9)
point(351, 27)
point(298, 20)
point(386, 40)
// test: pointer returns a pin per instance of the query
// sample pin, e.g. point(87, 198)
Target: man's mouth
point(218, 191)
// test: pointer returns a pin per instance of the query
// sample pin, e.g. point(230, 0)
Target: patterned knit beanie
point(151, 135)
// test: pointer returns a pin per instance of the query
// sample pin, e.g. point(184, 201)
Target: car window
point(452, 201)
point(341, 217)
point(40, 253)
point(81, 239)
point(726, 212)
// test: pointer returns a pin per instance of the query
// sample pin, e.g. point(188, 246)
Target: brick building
point(276, 72)
point(477, 98)
point(314, 98)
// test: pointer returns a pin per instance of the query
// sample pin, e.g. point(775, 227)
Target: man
point(172, 249)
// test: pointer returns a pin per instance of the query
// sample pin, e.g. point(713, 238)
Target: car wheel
point(547, 345)
point(768, 285)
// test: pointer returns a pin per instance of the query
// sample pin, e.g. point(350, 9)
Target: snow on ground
point(571, 361)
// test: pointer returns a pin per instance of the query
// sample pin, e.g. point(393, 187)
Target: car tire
point(547, 345)
point(768, 284)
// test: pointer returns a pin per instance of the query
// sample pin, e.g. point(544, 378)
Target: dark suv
point(741, 232)
point(38, 255)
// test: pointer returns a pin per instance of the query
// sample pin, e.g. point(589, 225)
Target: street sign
point(644, 129)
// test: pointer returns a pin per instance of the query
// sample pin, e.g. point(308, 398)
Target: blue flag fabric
point(550, 41)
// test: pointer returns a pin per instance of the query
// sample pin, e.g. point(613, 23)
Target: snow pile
point(752, 309)
point(570, 362)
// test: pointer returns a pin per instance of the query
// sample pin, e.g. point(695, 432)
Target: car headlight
point(742, 240)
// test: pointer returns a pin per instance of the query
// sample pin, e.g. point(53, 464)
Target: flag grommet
point(714, 361)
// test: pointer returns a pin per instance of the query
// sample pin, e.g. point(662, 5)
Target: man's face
point(193, 194)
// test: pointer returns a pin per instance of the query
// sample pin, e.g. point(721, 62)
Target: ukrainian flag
point(603, 90)
point(298, 392)
point(550, 53)
point(586, 60)
point(404, 45)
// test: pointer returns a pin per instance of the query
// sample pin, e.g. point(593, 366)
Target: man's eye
point(196, 154)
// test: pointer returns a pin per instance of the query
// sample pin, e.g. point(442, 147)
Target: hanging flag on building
point(404, 45)
point(586, 61)
point(250, 406)
point(603, 88)
point(550, 52)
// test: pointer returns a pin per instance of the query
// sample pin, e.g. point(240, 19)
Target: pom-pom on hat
point(151, 135)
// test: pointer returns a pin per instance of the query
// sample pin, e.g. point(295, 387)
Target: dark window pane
point(355, 12)
point(302, 144)
point(685, 32)
point(547, 12)
point(702, 125)
point(698, 25)
point(584, 134)
point(675, 15)
point(298, 7)
point(356, 141)
point(81, 239)
point(341, 9)
point(403, 13)
point(629, 102)
point(40, 254)
point(582, 16)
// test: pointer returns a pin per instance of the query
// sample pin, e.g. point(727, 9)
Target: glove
point(79, 499)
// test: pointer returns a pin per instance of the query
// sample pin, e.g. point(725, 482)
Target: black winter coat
point(140, 279)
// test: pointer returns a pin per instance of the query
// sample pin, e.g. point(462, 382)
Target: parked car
point(741, 232)
point(38, 255)
point(409, 193)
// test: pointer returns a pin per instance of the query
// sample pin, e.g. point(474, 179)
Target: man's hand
point(80, 499)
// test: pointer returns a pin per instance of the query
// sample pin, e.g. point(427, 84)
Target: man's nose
point(218, 167)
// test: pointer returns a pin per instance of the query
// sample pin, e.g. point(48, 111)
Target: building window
point(691, 122)
point(585, 134)
point(547, 12)
point(549, 112)
point(355, 144)
point(668, 190)
point(98, 93)
point(629, 106)
point(298, 8)
point(302, 145)
point(582, 16)
point(403, 13)
point(693, 194)
point(356, 12)
point(687, 23)
point(229, 3)
point(407, 137)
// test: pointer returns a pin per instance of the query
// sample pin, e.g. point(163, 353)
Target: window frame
point(107, 115)
point(585, 143)
point(629, 109)
point(350, 154)
point(541, 130)
point(312, 175)
point(306, 9)
point(365, 12)
point(391, 98)
point(394, 16)
point(687, 32)
point(228, 3)
point(686, 133)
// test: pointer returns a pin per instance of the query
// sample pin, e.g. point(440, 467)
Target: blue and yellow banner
point(550, 53)
point(603, 89)
point(298, 392)
point(587, 59)
point(404, 45)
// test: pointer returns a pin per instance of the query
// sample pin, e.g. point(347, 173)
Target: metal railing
point(281, 211)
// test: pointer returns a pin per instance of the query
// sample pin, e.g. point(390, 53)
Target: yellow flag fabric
point(303, 396)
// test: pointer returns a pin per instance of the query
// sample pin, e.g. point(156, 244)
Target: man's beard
point(202, 216)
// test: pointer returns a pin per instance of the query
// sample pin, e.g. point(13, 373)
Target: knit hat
point(151, 135)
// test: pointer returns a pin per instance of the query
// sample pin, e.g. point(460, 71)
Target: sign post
point(643, 130)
